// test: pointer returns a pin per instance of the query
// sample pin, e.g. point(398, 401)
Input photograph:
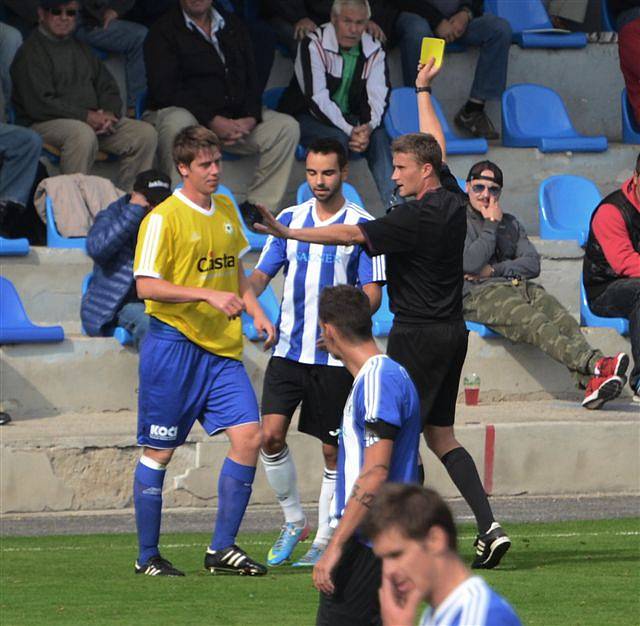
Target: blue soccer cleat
point(311, 557)
point(288, 539)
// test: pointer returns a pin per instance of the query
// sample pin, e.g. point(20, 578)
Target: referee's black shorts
point(322, 389)
point(356, 578)
point(433, 354)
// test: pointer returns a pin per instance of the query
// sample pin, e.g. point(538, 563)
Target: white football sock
point(281, 475)
point(327, 492)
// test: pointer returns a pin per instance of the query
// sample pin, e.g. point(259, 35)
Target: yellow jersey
point(187, 245)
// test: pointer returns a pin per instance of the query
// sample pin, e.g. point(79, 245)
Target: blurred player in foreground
point(414, 535)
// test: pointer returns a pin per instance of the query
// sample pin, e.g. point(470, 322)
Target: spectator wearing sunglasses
point(499, 265)
point(68, 96)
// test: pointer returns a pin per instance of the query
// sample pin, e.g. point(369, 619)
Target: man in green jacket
point(67, 95)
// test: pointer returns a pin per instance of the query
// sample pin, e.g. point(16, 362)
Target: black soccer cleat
point(157, 566)
point(232, 560)
point(490, 547)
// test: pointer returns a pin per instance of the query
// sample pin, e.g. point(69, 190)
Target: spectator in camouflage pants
point(499, 263)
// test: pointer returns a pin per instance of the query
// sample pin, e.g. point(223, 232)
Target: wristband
point(423, 89)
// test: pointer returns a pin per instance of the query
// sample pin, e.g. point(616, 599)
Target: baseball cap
point(476, 172)
point(153, 185)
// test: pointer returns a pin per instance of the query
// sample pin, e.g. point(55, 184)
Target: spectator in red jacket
point(611, 269)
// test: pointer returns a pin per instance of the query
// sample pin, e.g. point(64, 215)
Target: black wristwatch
point(423, 89)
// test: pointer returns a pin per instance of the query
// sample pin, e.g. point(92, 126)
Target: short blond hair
point(191, 140)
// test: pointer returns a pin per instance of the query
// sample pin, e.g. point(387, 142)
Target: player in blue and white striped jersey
point(301, 372)
point(379, 439)
point(413, 533)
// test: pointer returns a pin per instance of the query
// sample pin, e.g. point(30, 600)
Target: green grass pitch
point(564, 574)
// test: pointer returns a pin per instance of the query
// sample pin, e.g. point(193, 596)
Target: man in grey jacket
point(499, 263)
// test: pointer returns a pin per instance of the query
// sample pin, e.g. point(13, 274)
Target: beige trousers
point(133, 141)
point(274, 140)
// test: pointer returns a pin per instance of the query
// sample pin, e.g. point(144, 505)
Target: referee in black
point(423, 241)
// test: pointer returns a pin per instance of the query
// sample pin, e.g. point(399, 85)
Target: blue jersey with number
point(473, 603)
point(308, 269)
point(382, 391)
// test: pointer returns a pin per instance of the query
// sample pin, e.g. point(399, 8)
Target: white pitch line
point(622, 533)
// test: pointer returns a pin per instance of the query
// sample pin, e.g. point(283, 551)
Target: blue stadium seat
point(382, 319)
point(630, 128)
point(481, 329)
point(270, 99)
point(54, 238)
point(402, 117)
point(271, 307)
point(122, 335)
point(256, 240)
point(462, 183)
point(349, 192)
point(528, 16)
point(534, 116)
point(15, 325)
point(588, 318)
point(14, 247)
point(608, 21)
point(565, 204)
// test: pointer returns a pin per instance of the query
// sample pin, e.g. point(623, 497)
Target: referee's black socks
point(463, 472)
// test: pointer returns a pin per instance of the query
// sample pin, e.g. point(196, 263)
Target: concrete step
point(85, 461)
point(84, 375)
point(49, 280)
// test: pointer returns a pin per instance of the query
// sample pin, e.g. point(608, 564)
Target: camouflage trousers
point(526, 313)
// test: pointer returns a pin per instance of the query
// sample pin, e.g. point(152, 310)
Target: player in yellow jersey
point(188, 271)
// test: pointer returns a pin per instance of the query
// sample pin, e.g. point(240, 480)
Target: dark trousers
point(622, 299)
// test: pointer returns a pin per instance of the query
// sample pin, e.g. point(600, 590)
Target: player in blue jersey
point(378, 441)
point(300, 372)
point(414, 535)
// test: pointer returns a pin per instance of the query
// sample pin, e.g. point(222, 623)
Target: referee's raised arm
point(428, 118)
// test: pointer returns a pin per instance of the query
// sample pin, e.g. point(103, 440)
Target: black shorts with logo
point(356, 578)
point(433, 354)
point(322, 389)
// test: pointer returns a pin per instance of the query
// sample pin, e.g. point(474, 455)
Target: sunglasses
point(479, 188)
point(68, 12)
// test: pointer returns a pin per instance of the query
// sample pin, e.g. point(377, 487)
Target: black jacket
point(184, 69)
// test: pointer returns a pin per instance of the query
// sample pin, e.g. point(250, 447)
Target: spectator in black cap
point(111, 298)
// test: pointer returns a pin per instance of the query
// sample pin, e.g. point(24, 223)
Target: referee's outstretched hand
point(270, 225)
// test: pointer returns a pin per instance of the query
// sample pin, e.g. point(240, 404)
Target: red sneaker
point(612, 365)
point(601, 389)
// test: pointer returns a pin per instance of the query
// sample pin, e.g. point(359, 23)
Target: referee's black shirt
point(423, 241)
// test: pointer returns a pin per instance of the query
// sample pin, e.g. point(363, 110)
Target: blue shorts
point(180, 383)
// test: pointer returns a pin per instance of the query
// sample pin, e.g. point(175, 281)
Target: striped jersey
point(308, 269)
point(189, 246)
point(382, 391)
point(473, 603)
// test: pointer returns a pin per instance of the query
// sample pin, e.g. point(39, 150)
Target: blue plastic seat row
point(531, 25)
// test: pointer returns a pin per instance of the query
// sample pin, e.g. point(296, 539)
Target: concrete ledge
point(85, 462)
point(85, 374)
